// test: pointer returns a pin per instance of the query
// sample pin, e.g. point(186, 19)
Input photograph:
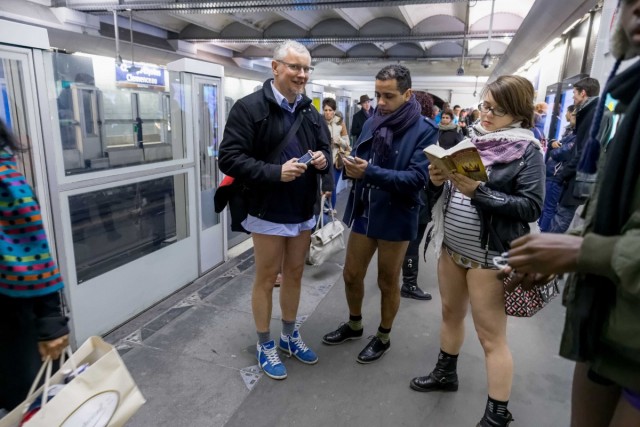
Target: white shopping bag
point(104, 395)
point(326, 240)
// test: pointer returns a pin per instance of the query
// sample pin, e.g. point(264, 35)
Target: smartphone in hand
point(306, 158)
point(350, 159)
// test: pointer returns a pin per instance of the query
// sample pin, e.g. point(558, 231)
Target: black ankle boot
point(443, 378)
point(494, 420)
point(410, 287)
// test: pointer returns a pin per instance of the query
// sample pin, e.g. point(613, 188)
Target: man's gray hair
point(283, 48)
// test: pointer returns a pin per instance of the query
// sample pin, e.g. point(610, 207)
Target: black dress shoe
point(374, 350)
point(414, 292)
point(432, 382)
point(342, 334)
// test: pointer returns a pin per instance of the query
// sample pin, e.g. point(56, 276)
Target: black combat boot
point(442, 378)
point(410, 287)
point(495, 420)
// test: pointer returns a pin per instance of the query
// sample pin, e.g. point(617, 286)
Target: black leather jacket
point(509, 201)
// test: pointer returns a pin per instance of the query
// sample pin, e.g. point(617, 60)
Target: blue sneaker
point(269, 361)
point(294, 345)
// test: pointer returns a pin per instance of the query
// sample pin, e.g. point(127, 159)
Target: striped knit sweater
point(27, 268)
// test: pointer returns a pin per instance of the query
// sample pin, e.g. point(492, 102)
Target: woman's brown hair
point(515, 95)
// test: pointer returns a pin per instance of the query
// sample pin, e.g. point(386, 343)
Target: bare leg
point(268, 253)
point(360, 250)
point(625, 414)
point(486, 293)
point(592, 404)
point(452, 282)
point(292, 267)
point(390, 257)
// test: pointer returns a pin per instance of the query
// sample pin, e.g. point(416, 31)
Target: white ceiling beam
point(347, 17)
point(294, 20)
point(407, 17)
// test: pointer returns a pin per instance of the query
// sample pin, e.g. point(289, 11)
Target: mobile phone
point(306, 158)
point(350, 159)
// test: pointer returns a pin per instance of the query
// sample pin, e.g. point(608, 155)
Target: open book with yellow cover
point(462, 158)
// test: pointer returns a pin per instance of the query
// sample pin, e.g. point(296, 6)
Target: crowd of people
point(394, 193)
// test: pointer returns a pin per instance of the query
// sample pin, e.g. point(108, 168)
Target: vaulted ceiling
point(348, 39)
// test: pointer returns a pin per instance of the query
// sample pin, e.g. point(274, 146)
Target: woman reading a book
point(475, 221)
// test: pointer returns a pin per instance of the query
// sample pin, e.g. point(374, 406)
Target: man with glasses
point(265, 135)
point(389, 170)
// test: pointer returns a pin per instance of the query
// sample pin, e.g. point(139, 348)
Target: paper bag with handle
point(103, 395)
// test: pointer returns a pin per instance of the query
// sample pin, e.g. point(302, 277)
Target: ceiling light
point(486, 60)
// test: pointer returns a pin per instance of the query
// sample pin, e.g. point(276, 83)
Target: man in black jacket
point(585, 98)
point(265, 135)
point(361, 116)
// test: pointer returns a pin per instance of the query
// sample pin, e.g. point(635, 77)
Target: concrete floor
point(193, 357)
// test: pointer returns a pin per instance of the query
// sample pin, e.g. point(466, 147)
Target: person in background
point(437, 118)
point(339, 140)
point(456, 113)
point(537, 133)
point(541, 116)
point(474, 222)
point(361, 116)
point(557, 154)
point(32, 321)
point(474, 118)
point(389, 172)
point(602, 295)
point(448, 132)
point(282, 193)
point(436, 112)
point(410, 266)
point(585, 99)
point(463, 124)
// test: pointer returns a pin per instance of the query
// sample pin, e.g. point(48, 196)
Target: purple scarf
point(502, 146)
point(385, 126)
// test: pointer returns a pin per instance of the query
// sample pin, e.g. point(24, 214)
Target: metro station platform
point(193, 357)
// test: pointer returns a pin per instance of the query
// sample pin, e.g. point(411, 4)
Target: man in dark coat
point(361, 116)
point(265, 135)
point(585, 98)
point(389, 171)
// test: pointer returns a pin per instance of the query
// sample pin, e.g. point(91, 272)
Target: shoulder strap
point(294, 128)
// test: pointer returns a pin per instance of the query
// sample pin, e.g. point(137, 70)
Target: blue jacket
point(557, 156)
point(393, 188)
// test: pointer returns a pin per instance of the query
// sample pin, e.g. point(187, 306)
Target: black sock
point(445, 354)
point(355, 318)
point(497, 406)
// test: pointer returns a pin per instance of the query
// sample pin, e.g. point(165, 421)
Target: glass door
point(19, 111)
point(208, 132)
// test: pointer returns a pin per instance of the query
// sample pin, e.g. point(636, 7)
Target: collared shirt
point(282, 101)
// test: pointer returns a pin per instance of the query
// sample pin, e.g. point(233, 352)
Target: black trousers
point(414, 246)
point(19, 356)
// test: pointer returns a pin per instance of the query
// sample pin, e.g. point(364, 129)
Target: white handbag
point(327, 239)
point(104, 395)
